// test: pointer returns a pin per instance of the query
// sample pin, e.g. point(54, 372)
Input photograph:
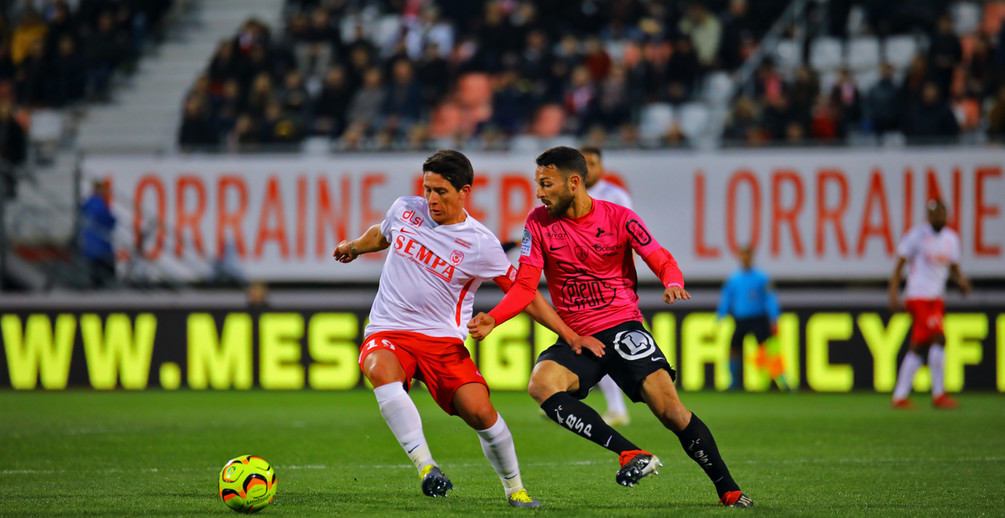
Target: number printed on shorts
point(634, 344)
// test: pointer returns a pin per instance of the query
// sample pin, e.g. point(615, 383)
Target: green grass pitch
point(158, 453)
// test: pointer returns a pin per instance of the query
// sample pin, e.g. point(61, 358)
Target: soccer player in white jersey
point(599, 188)
point(933, 251)
point(439, 255)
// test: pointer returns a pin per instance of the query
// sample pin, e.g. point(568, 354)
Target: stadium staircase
point(142, 117)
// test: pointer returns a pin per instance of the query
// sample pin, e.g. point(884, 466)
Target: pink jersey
point(432, 271)
point(588, 263)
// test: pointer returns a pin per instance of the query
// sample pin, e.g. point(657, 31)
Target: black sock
point(585, 422)
point(698, 443)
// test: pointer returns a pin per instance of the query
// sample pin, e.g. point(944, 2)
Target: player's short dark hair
point(566, 159)
point(591, 149)
point(452, 165)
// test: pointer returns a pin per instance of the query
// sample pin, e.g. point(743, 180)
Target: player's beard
point(561, 206)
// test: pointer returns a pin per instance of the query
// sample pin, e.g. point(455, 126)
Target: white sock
point(403, 419)
point(497, 444)
point(937, 366)
point(612, 393)
point(905, 379)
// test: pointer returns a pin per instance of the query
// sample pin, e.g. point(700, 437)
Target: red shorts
point(927, 315)
point(443, 364)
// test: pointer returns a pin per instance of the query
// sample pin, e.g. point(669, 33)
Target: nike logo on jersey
point(553, 248)
point(656, 358)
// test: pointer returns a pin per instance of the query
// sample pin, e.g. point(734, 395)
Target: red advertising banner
point(826, 214)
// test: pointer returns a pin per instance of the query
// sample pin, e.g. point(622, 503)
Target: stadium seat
point(717, 86)
point(865, 79)
point(788, 55)
point(693, 119)
point(654, 121)
point(863, 53)
point(966, 17)
point(549, 121)
point(826, 53)
point(900, 50)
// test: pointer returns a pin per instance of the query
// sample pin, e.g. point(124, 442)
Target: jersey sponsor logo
point(554, 234)
point(425, 257)
point(587, 291)
point(456, 257)
point(411, 217)
point(607, 250)
point(634, 344)
point(462, 242)
point(600, 231)
point(638, 232)
point(525, 243)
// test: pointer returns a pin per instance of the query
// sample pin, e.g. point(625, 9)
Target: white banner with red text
point(822, 214)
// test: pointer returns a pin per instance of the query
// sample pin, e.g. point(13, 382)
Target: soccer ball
point(247, 484)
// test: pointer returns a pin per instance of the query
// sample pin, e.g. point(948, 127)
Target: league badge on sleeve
point(525, 244)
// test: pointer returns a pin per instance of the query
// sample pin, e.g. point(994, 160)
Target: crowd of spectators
point(413, 74)
point(58, 53)
point(954, 85)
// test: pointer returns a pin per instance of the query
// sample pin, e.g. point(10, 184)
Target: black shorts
point(760, 326)
point(630, 355)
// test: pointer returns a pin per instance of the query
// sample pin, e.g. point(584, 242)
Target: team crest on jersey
point(581, 253)
point(456, 257)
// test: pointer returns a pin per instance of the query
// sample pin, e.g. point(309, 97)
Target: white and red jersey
point(929, 254)
point(607, 191)
point(432, 271)
point(589, 265)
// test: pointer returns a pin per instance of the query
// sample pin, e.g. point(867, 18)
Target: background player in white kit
point(934, 253)
point(439, 257)
point(599, 188)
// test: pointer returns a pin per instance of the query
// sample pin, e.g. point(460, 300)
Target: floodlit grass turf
point(83, 453)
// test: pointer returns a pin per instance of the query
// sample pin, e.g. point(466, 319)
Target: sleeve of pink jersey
point(659, 260)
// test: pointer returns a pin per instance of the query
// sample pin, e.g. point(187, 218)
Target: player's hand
point(345, 252)
point(481, 325)
point(673, 293)
point(589, 343)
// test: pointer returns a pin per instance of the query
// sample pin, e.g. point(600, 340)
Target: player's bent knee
point(381, 368)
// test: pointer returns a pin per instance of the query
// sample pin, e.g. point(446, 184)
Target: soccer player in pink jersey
point(439, 256)
point(933, 249)
point(584, 247)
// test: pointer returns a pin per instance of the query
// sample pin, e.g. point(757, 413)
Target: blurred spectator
point(293, 95)
point(769, 84)
point(805, 90)
point(743, 126)
point(705, 32)
point(279, 126)
point(613, 102)
point(366, 103)
point(825, 121)
point(882, 105)
point(67, 76)
point(13, 147)
point(930, 118)
point(779, 115)
point(30, 30)
point(996, 116)
point(31, 76)
point(402, 106)
point(104, 48)
point(596, 59)
point(739, 36)
point(260, 95)
point(914, 81)
point(845, 99)
point(944, 53)
point(580, 98)
point(197, 130)
point(509, 104)
point(332, 103)
point(97, 226)
point(683, 68)
point(433, 74)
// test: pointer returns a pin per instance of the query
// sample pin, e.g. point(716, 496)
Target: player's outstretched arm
point(371, 241)
point(519, 293)
point(957, 275)
point(893, 287)
point(674, 293)
point(540, 310)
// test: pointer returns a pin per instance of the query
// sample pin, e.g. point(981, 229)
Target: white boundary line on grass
point(862, 460)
